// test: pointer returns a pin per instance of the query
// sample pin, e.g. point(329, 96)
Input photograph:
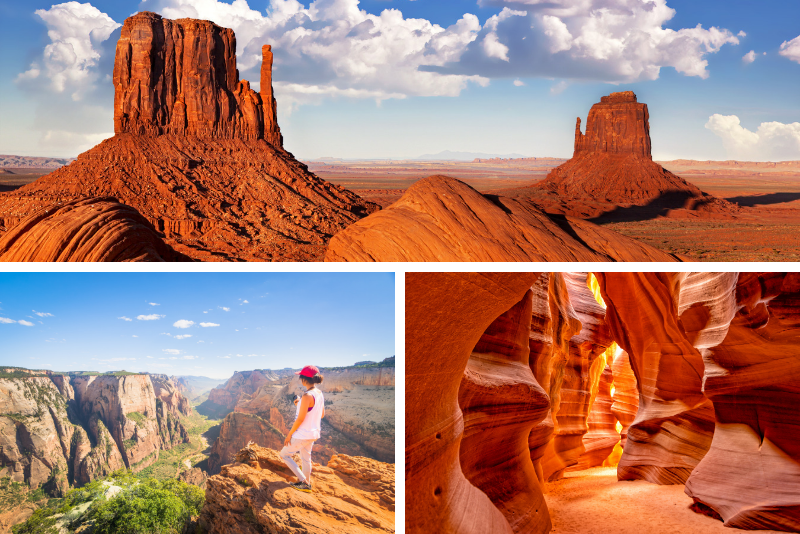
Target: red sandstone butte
point(446, 316)
point(612, 166)
point(95, 229)
point(443, 219)
point(198, 153)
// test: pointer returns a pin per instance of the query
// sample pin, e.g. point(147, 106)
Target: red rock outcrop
point(236, 431)
point(240, 384)
point(443, 219)
point(612, 167)
point(198, 153)
point(352, 495)
point(168, 392)
point(675, 421)
point(501, 402)
point(94, 229)
point(750, 476)
point(446, 315)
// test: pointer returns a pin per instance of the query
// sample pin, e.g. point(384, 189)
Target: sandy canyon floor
point(595, 502)
point(765, 230)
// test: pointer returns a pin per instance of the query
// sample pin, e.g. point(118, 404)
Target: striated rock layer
point(442, 219)
point(612, 166)
point(446, 315)
point(95, 229)
point(236, 431)
point(750, 476)
point(675, 421)
point(198, 153)
point(501, 402)
point(352, 495)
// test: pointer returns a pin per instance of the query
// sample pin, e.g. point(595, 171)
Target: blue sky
point(401, 78)
point(194, 323)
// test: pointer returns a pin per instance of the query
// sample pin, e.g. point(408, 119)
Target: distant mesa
point(198, 153)
point(443, 219)
point(612, 166)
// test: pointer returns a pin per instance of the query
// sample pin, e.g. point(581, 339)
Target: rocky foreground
point(352, 495)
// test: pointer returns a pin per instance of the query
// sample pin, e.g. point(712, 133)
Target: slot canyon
point(602, 402)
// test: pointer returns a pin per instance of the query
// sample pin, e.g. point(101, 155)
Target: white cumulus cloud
point(183, 336)
point(6, 320)
point(23, 322)
point(208, 325)
point(125, 318)
point(183, 323)
point(75, 31)
point(42, 314)
point(151, 317)
point(172, 351)
point(223, 308)
point(791, 49)
point(749, 57)
point(772, 141)
point(154, 304)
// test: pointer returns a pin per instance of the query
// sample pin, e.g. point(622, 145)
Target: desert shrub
point(157, 507)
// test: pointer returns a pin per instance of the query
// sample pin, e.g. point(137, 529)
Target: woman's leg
point(305, 456)
point(286, 456)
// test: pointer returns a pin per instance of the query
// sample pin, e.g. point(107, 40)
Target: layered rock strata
point(352, 495)
point(198, 153)
point(750, 476)
point(446, 315)
point(626, 394)
point(62, 430)
point(94, 229)
point(675, 422)
point(442, 219)
point(501, 402)
point(236, 431)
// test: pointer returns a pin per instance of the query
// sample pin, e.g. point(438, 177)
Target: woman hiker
point(306, 427)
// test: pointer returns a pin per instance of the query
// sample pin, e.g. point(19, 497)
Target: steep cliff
point(62, 430)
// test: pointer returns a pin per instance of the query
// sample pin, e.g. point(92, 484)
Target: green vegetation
point(12, 494)
point(129, 444)
point(137, 418)
point(143, 506)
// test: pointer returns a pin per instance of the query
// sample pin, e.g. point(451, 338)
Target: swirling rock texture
point(198, 153)
point(94, 229)
point(583, 365)
point(602, 436)
point(612, 166)
point(750, 476)
point(352, 495)
point(501, 402)
point(553, 323)
point(446, 315)
point(443, 219)
point(626, 394)
point(57, 431)
point(675, 421)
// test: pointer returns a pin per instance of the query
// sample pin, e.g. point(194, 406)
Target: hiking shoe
point(301, 486)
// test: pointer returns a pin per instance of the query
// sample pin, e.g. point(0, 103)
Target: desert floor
point(594, 502)
point(766, 229)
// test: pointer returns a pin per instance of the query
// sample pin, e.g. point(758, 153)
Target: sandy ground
point(594, 502)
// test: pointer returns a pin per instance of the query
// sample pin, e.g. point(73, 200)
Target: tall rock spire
point(272, 132)
point(618, 124)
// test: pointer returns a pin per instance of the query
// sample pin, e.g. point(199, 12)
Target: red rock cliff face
point(617, 125)
point(179, 77)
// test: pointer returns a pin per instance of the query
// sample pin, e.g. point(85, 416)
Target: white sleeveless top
point(310, 427)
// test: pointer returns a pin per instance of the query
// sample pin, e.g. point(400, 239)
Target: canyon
point(196, 152)
point(525, 390)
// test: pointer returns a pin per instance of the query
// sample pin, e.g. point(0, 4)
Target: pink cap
point(308, 371)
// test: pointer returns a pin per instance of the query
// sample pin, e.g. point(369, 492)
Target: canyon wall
point(64, 430)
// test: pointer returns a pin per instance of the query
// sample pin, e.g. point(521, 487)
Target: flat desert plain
point(766, 228)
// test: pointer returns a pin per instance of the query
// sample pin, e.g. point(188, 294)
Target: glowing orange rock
point(446, 316)
point(626, 395)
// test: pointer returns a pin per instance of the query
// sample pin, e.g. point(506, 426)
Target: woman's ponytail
point(317, 379)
